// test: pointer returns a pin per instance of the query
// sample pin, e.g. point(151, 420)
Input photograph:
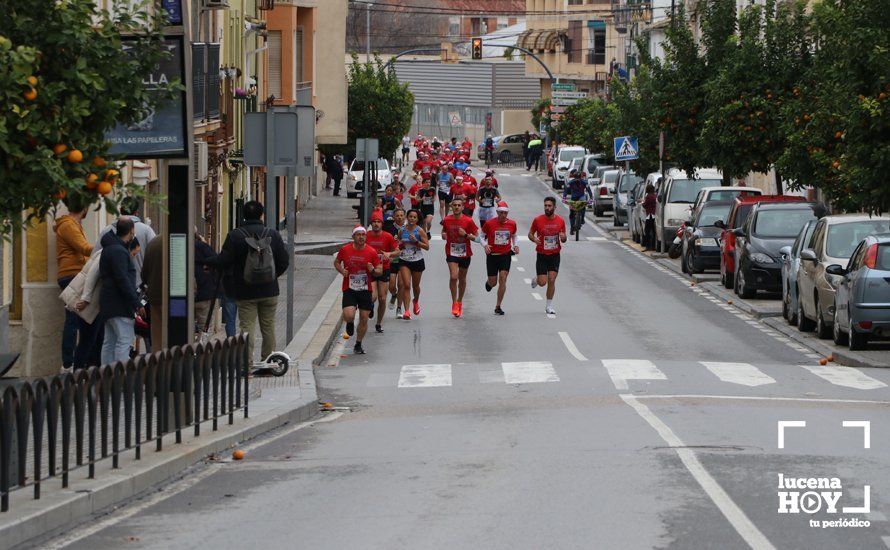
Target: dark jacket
point(234, 254)
point(334, 168)
point(205, 275)
point(152, 272)
point(118, 297)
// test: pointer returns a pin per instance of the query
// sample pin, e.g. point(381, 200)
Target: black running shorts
point(358, 298)
point(546, 263)
point(497, 262)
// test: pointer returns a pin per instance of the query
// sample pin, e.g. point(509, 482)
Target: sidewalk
point(288, 399)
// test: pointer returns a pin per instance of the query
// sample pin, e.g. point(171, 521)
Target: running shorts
point(461, 262)
point(358, 298)
point(394, 267)
point(445, 197)
point(427, 210)
point(486, 214)
point(497, 262)
point(384, 277)
point(414, 267)
point(546, 263)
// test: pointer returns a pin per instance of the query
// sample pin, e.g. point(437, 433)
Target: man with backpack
point(257, 257)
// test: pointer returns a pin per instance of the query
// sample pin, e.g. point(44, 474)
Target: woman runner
point(412, 242)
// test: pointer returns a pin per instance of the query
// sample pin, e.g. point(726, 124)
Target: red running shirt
point(382, 242)
point(499, 235)
point(455, 245)
point(548, 230)
point(356, 264)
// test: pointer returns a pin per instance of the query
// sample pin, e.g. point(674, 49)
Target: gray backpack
point(259, 265)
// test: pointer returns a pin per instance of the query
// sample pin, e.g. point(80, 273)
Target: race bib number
point(501, 237)
point(428, 200)
point(551, 242)
point(458, 250)
point(380, 255)
point(358, 281)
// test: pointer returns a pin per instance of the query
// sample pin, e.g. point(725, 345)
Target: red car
point(737, 214)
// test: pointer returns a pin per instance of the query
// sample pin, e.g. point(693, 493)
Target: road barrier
point(194, 384)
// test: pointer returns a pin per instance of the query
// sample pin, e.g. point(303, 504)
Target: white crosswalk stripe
point(529, 372)
point(846, 376)
point(622, 370)
point(739, 373)
point(425, 376)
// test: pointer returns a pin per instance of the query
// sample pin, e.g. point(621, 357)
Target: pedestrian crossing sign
point(626, 148)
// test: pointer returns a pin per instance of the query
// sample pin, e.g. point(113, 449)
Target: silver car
point(790, 265)
point(604, 191)
point(862, 302)
point(832, 242)
point(621, 201)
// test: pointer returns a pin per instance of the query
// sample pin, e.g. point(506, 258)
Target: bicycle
point(577, 211)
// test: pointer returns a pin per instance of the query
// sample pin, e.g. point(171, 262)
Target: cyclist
point(488, 197)
point(385, 245)
point(577, 195)
point(458, 230)
point(548, 232)
point(412, 242)
point(358, 263)
point(499, 239)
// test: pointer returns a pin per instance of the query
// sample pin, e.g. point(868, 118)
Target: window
point(274, 83)
point(454, 26)
point(596, 42)
point(198, 73)
point(576, 2)
point(573, 42)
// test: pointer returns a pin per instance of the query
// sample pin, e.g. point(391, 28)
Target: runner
point(444, 183)
point(488, 197)
point(426, 197)
point(490, 174)
point(468, 176)
point(548, 232)
point(500, 242)
point(358, 263)
point(387, 247)
point(458, 230)
point(412, 242)
point(395, 285)
point(469, 193)
point(406, 148)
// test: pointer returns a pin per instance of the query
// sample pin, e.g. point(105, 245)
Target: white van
point(675, 195)
point(563, 158)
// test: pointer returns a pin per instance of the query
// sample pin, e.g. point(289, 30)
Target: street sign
point(563, 86)
point(454, 117)
point(557, 109)
point(367, 149)
point(569, 95)
point(564, 101)
point(626, 148)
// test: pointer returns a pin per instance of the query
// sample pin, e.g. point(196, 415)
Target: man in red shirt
point(468, 176)
point(358, 263)
point(420, 162)
point(466, 145)
point(500, 242)
point(387, 247)
point(548, 232)
point(458, 230)
point(469, 194)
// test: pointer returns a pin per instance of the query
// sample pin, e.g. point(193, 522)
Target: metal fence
point(73, 417)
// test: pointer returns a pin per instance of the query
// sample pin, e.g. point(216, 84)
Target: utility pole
point(368, 30)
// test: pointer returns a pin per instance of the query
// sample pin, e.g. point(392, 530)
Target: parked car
point(708, 194)
point(862, 301)
point(768, 228)
point(621, 199)
point(790, 265)
point(590, 163)
point(676, 193)
point(832, 242)
point(637, 221)
point(356, 172)
point(741, 208)
point(507, 148)
point(575, 164)
point(700, 249)
point(604, 191)
point(563, 158)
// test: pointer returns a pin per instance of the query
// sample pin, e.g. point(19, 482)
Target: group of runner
point(387, 259)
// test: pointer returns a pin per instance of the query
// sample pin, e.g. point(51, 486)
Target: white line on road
point(763, 398)
point(573, 349)
point(622, 370)
point(596, 239)
point(886, 540)
point(738, 373)
point(520, 268)
point(742, 524)
point(425, 376)
point(846, 376)
point(537, 296)
point(527, 281)
point(514, 259)
point(529, 372)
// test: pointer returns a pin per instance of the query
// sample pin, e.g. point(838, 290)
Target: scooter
point(276, 364)
point(676, 247)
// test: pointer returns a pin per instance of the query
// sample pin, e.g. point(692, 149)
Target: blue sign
point(174, 11)
point(626, 148)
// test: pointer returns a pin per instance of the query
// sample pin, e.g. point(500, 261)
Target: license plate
point(708, 242)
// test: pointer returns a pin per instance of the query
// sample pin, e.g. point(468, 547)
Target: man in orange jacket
point(72, 252)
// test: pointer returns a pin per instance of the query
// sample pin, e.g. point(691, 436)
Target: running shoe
point(371, 315)
point(406, 316)
point(550, 311)
point(498, 310)
point(460, 309)
point(534, 282)
point(350, 328)
point(358, 349)
point(488, 287)
point(378, 328)
point(399, 312)
point(392, 303)
point(416, 307)
point(455, 309)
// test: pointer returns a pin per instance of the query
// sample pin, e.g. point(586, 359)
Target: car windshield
point(591, 165)
point(729, 194)
point(610, 177)
point(359, 165)
point(843, 238)
point(741, 214)
point(628, 182)
point(711, 213)
point(883, 257)
point(568, 154)
point(687, 190)
point(782, 223)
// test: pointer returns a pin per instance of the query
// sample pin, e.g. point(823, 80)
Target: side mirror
point(738, 232)
point(835, 269)
point(808, 255)
point(785, 251)
point(719, 224)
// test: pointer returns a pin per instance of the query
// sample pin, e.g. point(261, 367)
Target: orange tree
point(64, 81)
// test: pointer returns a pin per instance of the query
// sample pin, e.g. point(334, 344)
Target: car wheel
point(839, 336)
point(664, 244)
point(505, 157)
point(690, 262)
point(684, 267)
point(742, 288)
point(727, 278)
point(822, 330)
point(803, 324)
point(856, 340)
point(792, 311)
point(785, 312)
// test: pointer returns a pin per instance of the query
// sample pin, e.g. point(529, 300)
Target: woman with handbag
point(81, 297)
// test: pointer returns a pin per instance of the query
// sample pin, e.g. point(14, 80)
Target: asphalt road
point(643, 415)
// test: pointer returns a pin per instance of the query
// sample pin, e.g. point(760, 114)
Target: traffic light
point(477, 48)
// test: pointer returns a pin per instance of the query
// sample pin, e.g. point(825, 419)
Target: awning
point(540, 39)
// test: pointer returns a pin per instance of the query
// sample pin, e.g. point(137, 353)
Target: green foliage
point(69, 53)
point(541, 113)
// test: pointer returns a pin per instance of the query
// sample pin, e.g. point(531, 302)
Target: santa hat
point(502, 207)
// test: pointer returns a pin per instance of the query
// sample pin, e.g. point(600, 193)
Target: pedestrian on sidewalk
point(257, 257)
point(72, 251)
point(334, 167)
point(650, 202)
point(535, 149)
point(526, 138)
point(152, 278)
point(207, 283)
point(82, 297)
point(118, 299)
point(129, 208)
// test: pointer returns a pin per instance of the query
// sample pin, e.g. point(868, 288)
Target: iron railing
point(194, 384)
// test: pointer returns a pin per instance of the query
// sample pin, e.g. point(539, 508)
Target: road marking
point(573, 349)
point(425, 376)
point(597, 239)
point(763, 398)
point(529, 372)
point(736, 517)
point(520, 268)
point(886, 540)
point(514, 259)
point(622, 370)
point(846, 376)
point(738, 373)
point(537, 296)
point(527, 281)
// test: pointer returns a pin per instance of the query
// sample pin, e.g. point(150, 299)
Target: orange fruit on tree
point(111, 173)
point(60, 194)
point(806, 117)
point(105, 187)
point(60, 148)
point(837, 135)
point(75, 156)
point(32, 80)
point(99, 161)
point(31, 94)
point(92, 181)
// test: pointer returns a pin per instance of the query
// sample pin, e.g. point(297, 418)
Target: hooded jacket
point(118, 297)
point(72, 247)
point(234, 254)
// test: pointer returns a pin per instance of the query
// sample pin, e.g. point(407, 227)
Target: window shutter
point(213, 81)
point(274, 83)
point(198, 73)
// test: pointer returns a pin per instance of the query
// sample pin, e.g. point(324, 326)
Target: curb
point(841, 356)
